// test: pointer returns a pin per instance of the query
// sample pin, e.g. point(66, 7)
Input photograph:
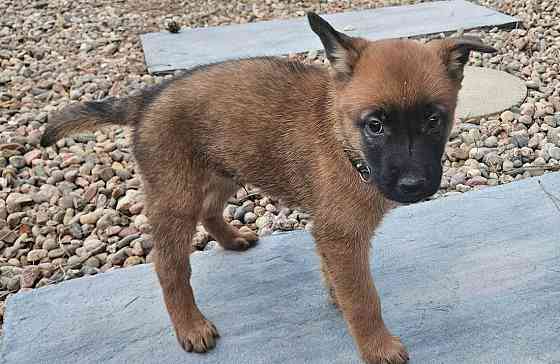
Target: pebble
point(91, 218)
point(520, 139)
point(29, 276)
point(554, 153)
point(250, 217)
point(133, 260)
point(507, 116)
point(120, 256)
point(36, 255)
point(507, 165)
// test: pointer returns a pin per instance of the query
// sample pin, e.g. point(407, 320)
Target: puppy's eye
point(373, 126)
point(434, 120)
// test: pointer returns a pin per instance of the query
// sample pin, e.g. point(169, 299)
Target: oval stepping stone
point(486, 92)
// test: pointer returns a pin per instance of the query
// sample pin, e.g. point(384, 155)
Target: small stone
point(75, 230)
point(50, 244)
point(120, 256)
point(507, 165)
point(491, 142)
point(265, 220)
point(130, 198)
point(228, 213)
point(13, 284)
point(32, 155)
point(94, 246)
point(457, 179)
point(75, 94)
point(550, 120)
point(82, 252)
point(477, 181)
point(133, 260)
point(92, 262)
point(14, 201)
point(36, 255)
point(172, 26)
point(479, 153)
point(106, 173)
point(74, 261)
point(90, 192)
point(554, 153)
point(250, 217)
point(492, 159)
point(520, 139)
point(129, 231)
point(92, 217)
point(239, 213)
point(110, 49)
point(211, 245)
point(17, 161)
point(140, 220)
point(137, 208)
point(56, 253)
point(462, 188)
point(507, 116)
point(137, 248)
point(88, 270)
point(553, 136)
point(29, 276)
point(532, 84)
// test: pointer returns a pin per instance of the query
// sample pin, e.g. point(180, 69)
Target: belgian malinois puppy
point(369, 131)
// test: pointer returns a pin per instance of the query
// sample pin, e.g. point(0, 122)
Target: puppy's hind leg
point(217, 191)
point(174, 222)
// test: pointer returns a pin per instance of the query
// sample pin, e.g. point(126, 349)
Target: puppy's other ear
point(341, 50)
point(454, 53)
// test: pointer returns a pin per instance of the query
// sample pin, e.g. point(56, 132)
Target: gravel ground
point(77, 209)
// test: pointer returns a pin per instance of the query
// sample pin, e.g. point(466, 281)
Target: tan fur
point(283, 127)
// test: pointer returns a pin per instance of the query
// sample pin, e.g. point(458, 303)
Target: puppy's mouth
point(397, 195)
point(408, 198)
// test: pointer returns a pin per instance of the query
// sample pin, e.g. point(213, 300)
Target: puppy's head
point(395, 103)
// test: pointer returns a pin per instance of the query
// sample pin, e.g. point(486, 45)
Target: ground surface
point(77, 209)
point(458, 287)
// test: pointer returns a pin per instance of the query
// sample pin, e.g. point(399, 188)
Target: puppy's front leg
point(346, 259)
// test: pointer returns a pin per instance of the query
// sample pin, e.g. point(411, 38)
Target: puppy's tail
point(87, 116)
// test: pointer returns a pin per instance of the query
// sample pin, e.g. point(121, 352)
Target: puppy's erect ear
point(341, 50)
point(454, 53)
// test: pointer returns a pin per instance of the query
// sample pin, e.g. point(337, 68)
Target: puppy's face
point(396, 101)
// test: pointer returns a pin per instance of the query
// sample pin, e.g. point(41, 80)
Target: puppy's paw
point(199, 337)
point(245, 239)
point(384, 349)
point(248, 234)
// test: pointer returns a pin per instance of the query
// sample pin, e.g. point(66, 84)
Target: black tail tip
point(312, 17)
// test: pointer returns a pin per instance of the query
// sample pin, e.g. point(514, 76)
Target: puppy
point(370, 130)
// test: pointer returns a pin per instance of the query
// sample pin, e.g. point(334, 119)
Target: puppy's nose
point(411, 184)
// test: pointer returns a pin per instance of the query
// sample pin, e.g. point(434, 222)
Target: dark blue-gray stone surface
point(473, 278)
point(164, 51)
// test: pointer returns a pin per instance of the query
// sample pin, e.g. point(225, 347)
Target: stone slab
point(165, 52)
point(486, 91)
point(471, 279)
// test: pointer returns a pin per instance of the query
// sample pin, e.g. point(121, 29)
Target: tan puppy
point(371, 129)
